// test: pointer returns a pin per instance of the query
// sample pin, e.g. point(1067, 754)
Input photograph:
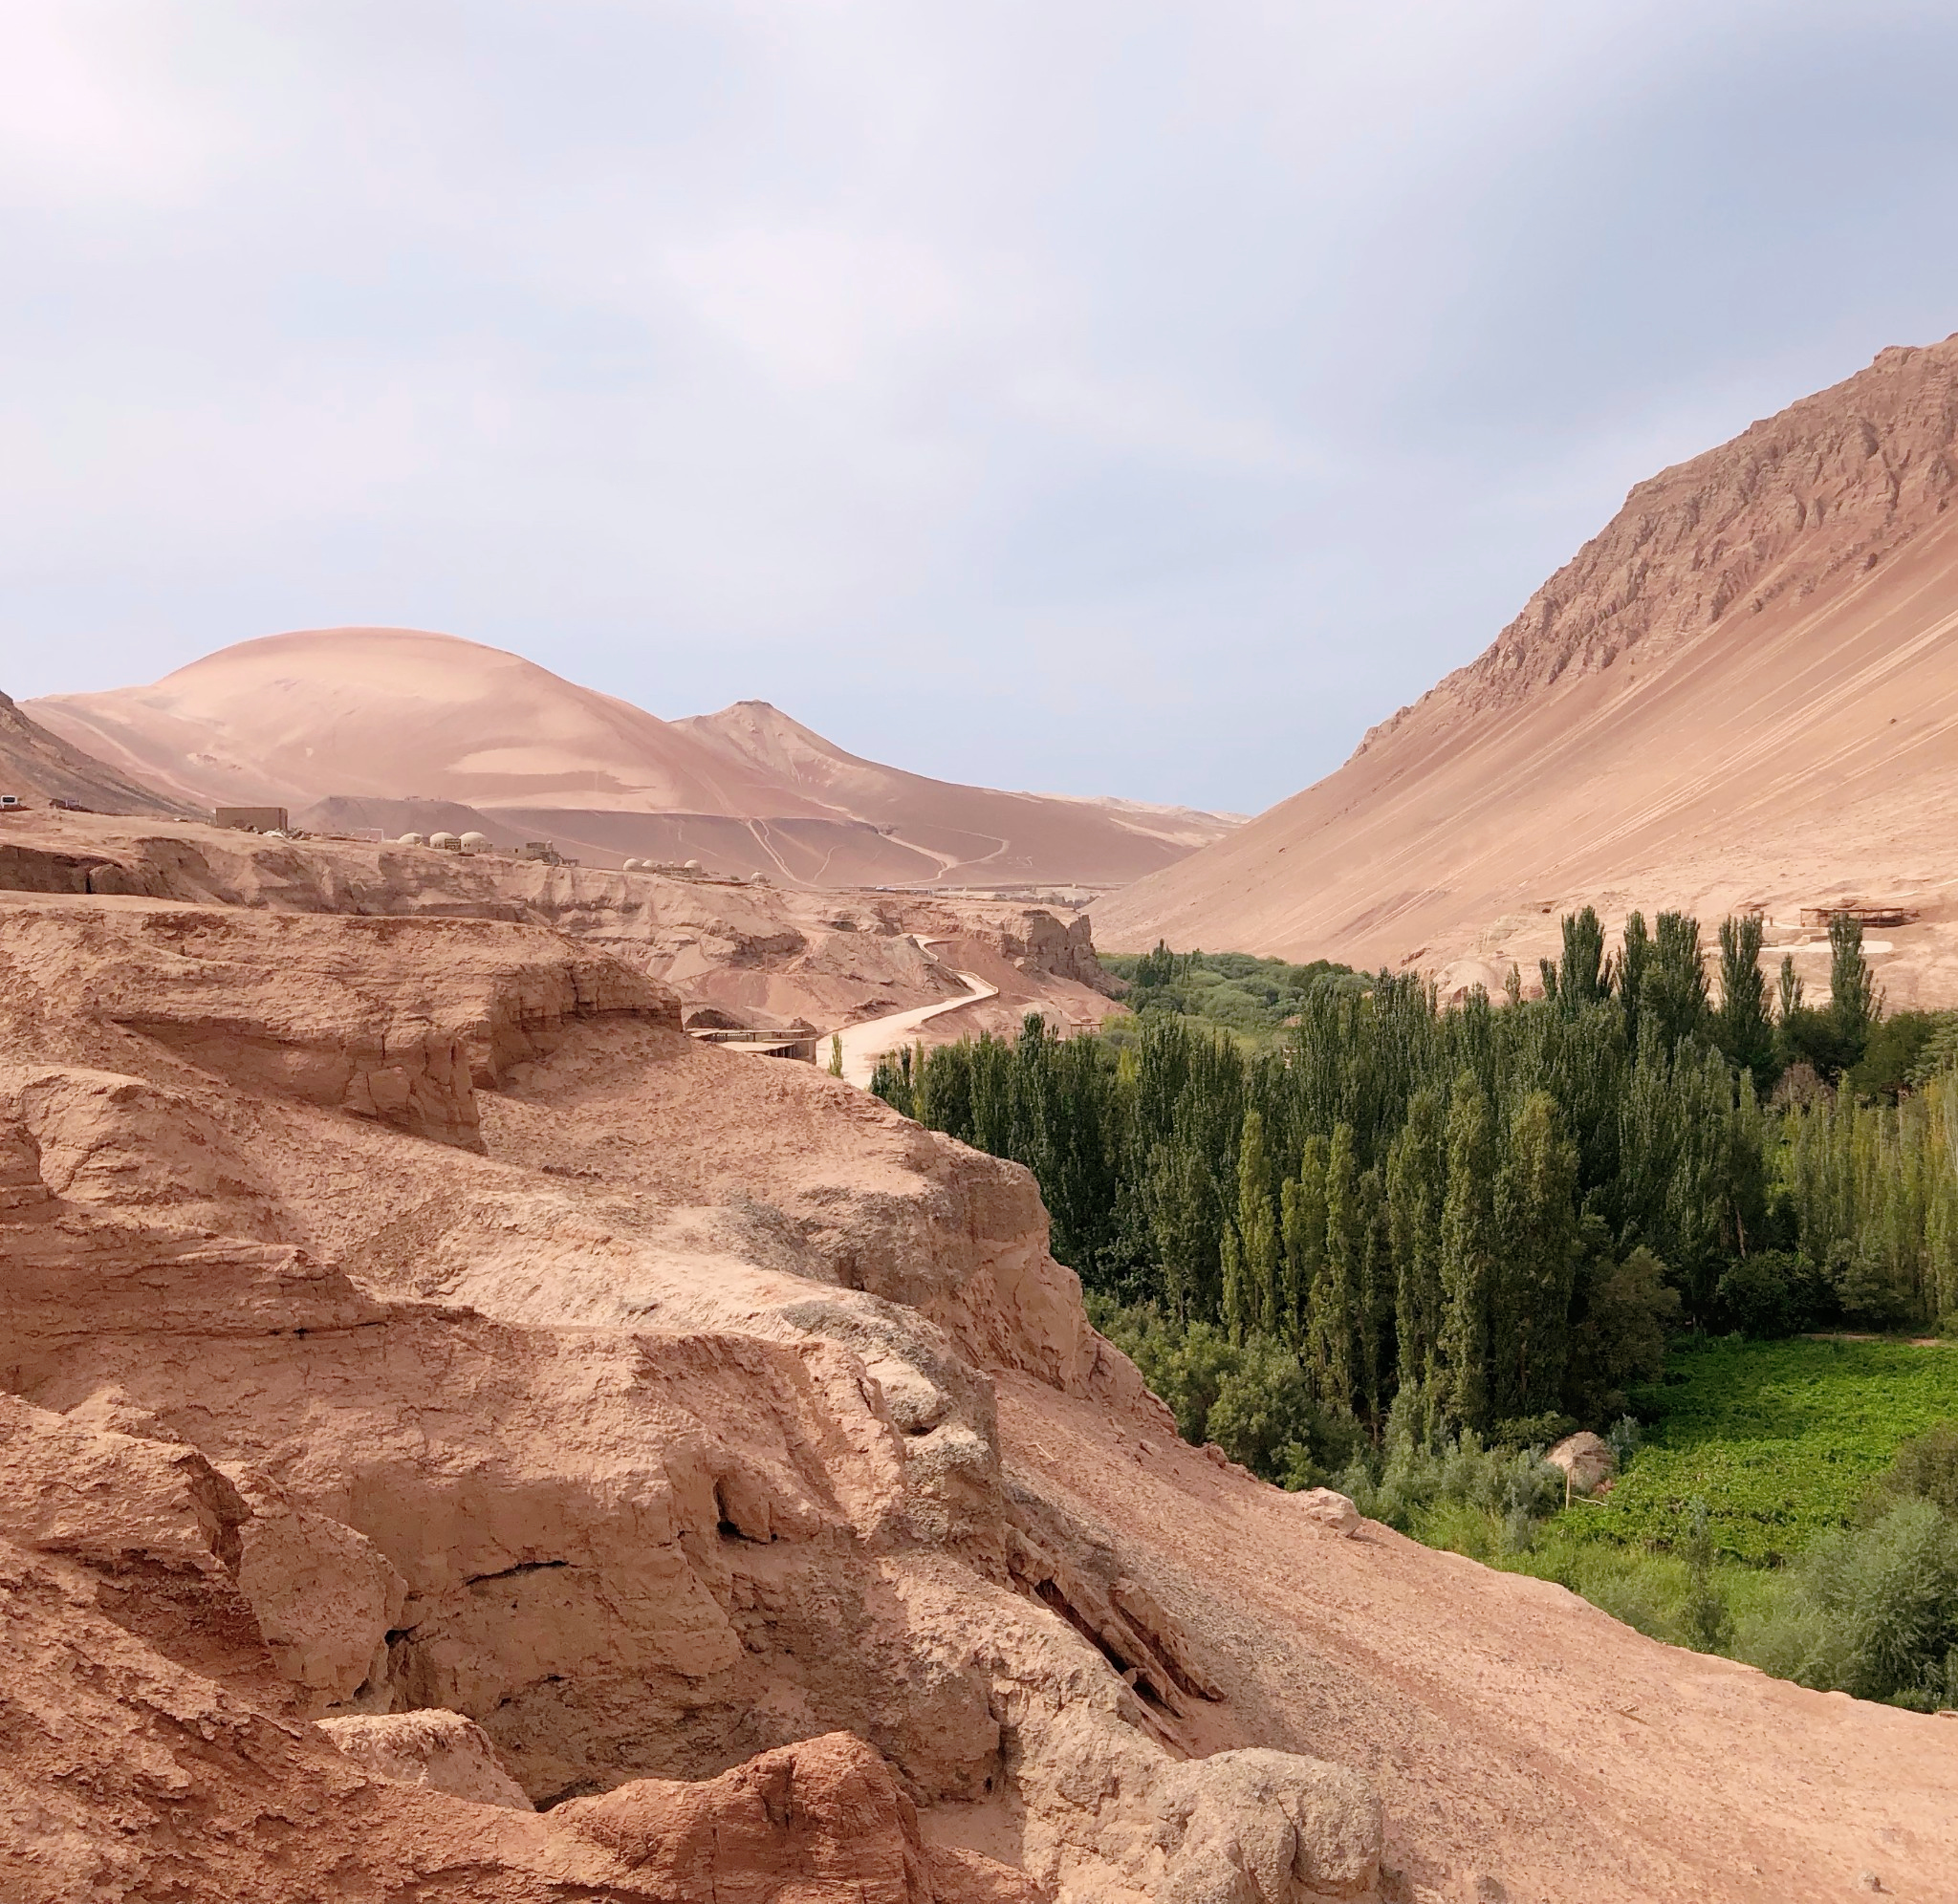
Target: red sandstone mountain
point(397, 728)
point(1743, 692)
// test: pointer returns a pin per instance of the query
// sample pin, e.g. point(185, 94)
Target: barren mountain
point(459, 1438)
point(966, 826)
point(1744, 692)
point(390, 727)
point(37, 764)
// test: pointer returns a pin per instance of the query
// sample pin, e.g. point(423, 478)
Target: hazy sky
point(1089, 395)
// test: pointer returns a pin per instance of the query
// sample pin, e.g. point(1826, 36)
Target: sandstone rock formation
point(406, 730)
point(438, 1750)
point(405, 1326)
point(754, 955)
point(1740, 694)
point(821, 1817)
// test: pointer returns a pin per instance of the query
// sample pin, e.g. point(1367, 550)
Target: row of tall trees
point(1506, 1206)
point(1874, 1193)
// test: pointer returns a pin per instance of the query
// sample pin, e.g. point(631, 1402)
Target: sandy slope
point(37, 765)
point(392, 726)
point(1528, 1746)
point(989, 836)
point(1744, 692)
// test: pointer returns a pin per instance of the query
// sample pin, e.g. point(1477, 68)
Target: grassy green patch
point(1779, 1440)
point(1645, 1590)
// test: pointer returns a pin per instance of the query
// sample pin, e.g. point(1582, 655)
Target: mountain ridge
point(1742, 691)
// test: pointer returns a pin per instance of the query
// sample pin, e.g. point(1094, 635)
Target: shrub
point(1771, 1294)
point(1925, 1469)
point(1622, 1437)
point(1813, 1036)
point(1752, 1299)
point(1252, 1398)
point(1620, 1338)
point(1532, 1431)
point(1704, 1615)
point(1422, 1474)
point(1265, 1416)
point(1872, 1612)
point(1896, 1053)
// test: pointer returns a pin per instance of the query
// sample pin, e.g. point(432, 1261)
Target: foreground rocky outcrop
point(462, 1438)
point(404, 1315)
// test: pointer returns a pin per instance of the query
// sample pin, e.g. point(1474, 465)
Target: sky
point(1091, 396)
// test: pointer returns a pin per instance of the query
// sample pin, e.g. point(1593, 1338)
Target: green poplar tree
point(1536, 1230)
point(1177, 1206)
point(1237, 1312)
point(1853, 1001)
point(1257, 1229)
point(1741, 1026)
point(1417, 1179)
point(1674, 992)
point(1304, 1210)
point(1375, 1301)
point(1582, 976)
point(1332, 1306)
point(1634, 962)
point(1468, 1255)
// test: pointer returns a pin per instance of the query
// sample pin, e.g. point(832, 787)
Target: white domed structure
point(635, 866)
point(446, 842)
point(412, 840)
point(691, 866)
point(474, 842)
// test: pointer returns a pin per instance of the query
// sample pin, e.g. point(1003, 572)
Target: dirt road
point(865, 1043)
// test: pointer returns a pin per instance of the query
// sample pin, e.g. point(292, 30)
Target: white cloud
point(1141, 395)
point(88, 116)
point(817, 308)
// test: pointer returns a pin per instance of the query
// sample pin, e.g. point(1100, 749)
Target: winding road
point(865, 1043)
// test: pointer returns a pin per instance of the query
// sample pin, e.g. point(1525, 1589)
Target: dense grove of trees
point(1499, 1209)
point(1251, 996)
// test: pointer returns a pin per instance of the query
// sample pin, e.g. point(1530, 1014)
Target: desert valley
point(773, 1329)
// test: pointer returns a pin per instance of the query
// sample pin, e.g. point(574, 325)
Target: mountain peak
point(1742, 691)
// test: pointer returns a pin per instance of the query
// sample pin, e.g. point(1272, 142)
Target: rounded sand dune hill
point(392, 712)
point(1744, 692)
point(406, 730)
